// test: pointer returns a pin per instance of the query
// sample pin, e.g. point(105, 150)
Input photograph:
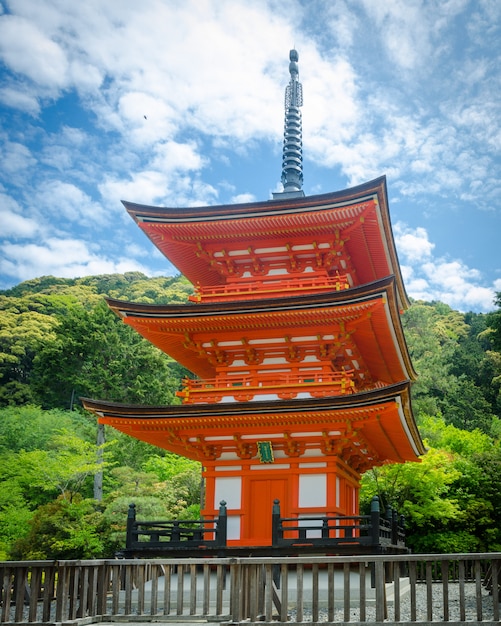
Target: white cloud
point(149, 118)
point(60, 201)
point(18, 97)
point(13, 224)
point(412, 244)
point(406, 30)
point(242, 198)
point(66, 258)
point(146, 187)
point(15, 158)
point(429, 278)
point(172, 157)
point(25, 49)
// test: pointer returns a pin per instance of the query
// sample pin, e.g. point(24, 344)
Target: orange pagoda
point(301, 371)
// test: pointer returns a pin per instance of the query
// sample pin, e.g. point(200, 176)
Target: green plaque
point(265, 451)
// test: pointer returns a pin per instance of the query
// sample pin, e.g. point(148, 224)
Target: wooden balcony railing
point(155, 537)
point(374, 532)
point(279, 286)
point(284, 386)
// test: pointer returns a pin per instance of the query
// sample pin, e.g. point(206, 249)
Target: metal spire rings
point(292, 161)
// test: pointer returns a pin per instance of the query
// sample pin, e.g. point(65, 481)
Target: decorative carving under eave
point(245, 449)
point(293, 448)
point(208, 450)
point(196, 448)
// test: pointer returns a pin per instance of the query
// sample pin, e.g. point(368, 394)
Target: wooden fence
point(403, 589)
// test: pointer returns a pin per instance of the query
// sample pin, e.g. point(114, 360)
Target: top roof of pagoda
point(356, 221)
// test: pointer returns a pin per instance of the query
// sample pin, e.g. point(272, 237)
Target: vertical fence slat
point(154, 589)
point(396, 592)
point(495, 588)
point(116, 578)
point(462, 601)
point(207, 590)
point(429, 590)
point(445, 589)
point(48, 592)
point(362, 589)
point(268, 587)
point(193, 589)
point(379, 574)
point(35, 593)
point(330, 592)
point(412, 582)
point(315, 601)
point(346, 589)
point(220, 586)
point(20, 587)
point(129, 574)
point(139, 578)
point(299, 587)
point(180, 590)
point(478, 588)
point(103, 586)
point(167, 589)
point(76, 592)
point(284, 595)
point(6, 593)
point(61, 592)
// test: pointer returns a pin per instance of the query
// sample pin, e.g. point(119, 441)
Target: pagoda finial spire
point(292, 160)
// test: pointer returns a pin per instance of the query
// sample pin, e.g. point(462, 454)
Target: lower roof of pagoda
point(364, 430)
point(358, 328)
point(356, 222)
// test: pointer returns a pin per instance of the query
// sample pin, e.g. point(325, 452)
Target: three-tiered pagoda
point(301, 371)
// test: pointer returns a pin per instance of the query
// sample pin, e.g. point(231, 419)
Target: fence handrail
point(265, 560)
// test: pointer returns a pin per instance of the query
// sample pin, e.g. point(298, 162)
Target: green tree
point(494, 323)
point(432, 332)
point(23, 332)
point(448, 500)
point(62, 530)
point(95, 355)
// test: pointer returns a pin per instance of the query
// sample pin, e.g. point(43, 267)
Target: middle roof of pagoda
point(351, 226)
point(361, 323)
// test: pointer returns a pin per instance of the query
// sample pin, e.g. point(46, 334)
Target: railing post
point(389, 513)
point(275, 524)
point(325, 528)
point(175, 533)
point(402, 529)
point(222, 525)
point(131, 522)
point(375, 520)
point(394, 528)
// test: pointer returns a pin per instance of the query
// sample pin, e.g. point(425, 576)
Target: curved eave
point(382, 417)
point(371, 310)
point(371, 244)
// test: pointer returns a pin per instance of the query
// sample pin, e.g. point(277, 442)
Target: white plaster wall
point(312, 490)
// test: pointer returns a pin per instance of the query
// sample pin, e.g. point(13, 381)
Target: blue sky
point(180, 102)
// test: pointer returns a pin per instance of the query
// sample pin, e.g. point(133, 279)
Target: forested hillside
point(59, 341)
